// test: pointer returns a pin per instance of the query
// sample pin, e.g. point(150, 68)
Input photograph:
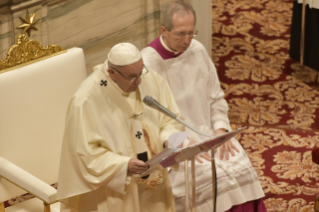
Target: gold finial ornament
point(28, 23)
point(27, 51)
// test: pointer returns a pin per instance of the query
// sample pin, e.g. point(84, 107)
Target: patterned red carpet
point(272, 95)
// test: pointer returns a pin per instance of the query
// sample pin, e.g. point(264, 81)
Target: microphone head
point(148, 100)
point(151, 102)
point(154, 104)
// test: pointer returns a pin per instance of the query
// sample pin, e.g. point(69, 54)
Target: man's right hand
point(136, 166)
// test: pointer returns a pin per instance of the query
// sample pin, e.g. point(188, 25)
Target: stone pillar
point(203, 9)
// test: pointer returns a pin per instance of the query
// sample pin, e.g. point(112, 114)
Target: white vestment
point(195, 85)
point(105, 128)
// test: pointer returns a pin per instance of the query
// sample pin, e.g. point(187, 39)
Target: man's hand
point(205, 155)
point(136, 166)
point(227, 147)
point(165, 144)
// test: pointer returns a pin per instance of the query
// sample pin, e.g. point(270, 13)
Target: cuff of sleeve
point(221, 125)
point(226, 130)
point(118, 182)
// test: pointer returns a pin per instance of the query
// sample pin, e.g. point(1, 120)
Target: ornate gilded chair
point(34, 98)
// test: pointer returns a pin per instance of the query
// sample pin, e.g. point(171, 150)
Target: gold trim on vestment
point(156, 178)
point(26, 52)
point(150, 138)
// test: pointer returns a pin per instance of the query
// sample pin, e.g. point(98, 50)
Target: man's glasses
point(132, 79)
point(180, 35)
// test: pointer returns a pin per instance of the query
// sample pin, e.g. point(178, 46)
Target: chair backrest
point(33, 105)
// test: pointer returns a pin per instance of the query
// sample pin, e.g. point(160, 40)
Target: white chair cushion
point(34, 101)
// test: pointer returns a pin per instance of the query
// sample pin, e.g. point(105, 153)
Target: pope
point(110, 134)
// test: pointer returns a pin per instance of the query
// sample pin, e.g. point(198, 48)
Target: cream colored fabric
point(100, 138)
point(193, 80)
point(34, 101)
point(312, 3)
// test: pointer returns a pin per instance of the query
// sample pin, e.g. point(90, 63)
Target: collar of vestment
point(117, 95)
point(159, 45)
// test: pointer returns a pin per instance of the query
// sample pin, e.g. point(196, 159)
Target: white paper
point(177, 139)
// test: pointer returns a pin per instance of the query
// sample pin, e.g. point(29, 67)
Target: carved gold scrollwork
point(26, 51)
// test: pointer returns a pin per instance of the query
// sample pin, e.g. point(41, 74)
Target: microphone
point(154, 104)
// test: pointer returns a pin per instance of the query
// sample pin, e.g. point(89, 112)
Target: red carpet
point(268, 92)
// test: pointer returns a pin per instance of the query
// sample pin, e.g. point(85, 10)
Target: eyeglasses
point(132, 79)
point(180, 35)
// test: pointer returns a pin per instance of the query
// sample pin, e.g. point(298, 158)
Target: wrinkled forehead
point(183, 20)
point(182, 12)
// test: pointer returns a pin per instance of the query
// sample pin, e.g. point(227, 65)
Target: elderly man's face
point(184, 24)
point(128, 72)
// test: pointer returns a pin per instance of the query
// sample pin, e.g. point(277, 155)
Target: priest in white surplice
point(110, 134)
point(192, 77)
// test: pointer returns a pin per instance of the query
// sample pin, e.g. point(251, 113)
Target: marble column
point(203, 9)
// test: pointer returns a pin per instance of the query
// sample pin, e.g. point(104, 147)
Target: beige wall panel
point(97, 26)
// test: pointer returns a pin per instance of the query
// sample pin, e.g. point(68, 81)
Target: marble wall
point(94, 25)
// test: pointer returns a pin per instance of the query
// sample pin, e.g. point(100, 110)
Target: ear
point(112, 73)
point(164, 31)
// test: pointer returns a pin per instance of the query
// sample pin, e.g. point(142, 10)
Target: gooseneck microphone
point(154, 104)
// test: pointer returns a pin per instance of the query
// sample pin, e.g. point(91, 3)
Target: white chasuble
point(193, 80)
point(105, 128)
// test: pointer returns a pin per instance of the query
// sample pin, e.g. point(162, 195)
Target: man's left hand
point(226, 148)
point(199, 157)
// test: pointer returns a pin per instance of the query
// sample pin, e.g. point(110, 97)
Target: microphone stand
point(213, 167)
point(154, 104)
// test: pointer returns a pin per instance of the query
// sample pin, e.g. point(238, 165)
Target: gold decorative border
point(26, 51)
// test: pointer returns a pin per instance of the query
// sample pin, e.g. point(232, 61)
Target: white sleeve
point(218, 105)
